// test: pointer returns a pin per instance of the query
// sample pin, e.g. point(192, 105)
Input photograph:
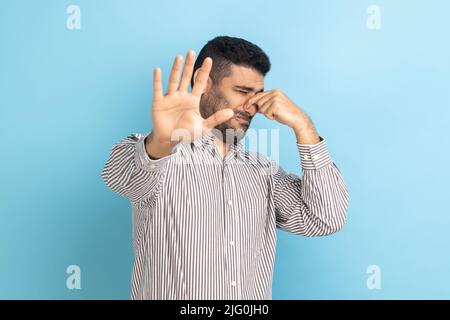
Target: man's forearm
point(157, 149)
point(306, 133)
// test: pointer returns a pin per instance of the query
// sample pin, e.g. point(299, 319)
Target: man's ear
point(208, 84)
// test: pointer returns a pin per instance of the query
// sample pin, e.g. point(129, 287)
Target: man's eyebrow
point(248, 88)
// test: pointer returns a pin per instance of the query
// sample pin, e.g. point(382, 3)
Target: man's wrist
point(156, 148)
point(306, 134)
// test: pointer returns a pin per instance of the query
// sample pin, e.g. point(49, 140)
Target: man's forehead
point(245, 77)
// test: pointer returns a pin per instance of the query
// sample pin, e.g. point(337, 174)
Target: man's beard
point(214, 101)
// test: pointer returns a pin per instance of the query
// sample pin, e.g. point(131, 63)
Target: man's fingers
point(218, 118)
point(157, 84)
point(187, 71)
point(265, 108)
point(202, 77)
point(271, 112)
point(175, 74)
point(263, 100)
point(257, 97)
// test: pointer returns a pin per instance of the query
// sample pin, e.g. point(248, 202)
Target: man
point(205, 211)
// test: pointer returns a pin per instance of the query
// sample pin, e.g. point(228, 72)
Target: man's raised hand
point(176, 115)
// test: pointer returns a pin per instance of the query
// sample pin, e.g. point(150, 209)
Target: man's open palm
point(177, 112)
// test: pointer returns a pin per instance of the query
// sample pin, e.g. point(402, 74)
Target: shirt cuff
point(314, 156)
point(144, 162)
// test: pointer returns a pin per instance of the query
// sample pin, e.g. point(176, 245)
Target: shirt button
point(306, 157)
point(233, 283)
point(315, 157)
point(230, 202)
point(231, 243)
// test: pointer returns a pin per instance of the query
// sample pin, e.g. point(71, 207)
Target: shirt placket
point(231, 232)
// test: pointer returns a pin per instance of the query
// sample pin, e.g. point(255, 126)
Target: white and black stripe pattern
point(205, 228)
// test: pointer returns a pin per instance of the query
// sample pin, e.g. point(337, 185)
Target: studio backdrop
point(374, 76)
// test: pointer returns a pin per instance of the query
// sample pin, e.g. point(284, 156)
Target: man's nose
point(251, 109)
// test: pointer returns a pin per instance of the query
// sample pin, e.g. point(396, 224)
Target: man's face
point(233, 92)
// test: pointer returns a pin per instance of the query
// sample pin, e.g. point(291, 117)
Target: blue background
point(379, 97)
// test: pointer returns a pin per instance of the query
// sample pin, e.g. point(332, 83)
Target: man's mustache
point(243, 114)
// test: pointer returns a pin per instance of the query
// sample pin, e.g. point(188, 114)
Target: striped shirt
point(205, 227)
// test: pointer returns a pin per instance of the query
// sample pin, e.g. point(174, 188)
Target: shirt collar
point(208, 139)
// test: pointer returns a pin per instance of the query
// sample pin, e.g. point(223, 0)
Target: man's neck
point(222, 147)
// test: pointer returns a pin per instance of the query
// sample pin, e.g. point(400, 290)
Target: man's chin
point(230, 134)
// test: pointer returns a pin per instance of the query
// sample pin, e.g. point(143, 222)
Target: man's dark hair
point(225, 51)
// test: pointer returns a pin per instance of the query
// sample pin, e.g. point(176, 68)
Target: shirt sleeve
point(130, 172)
point(316, 204)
